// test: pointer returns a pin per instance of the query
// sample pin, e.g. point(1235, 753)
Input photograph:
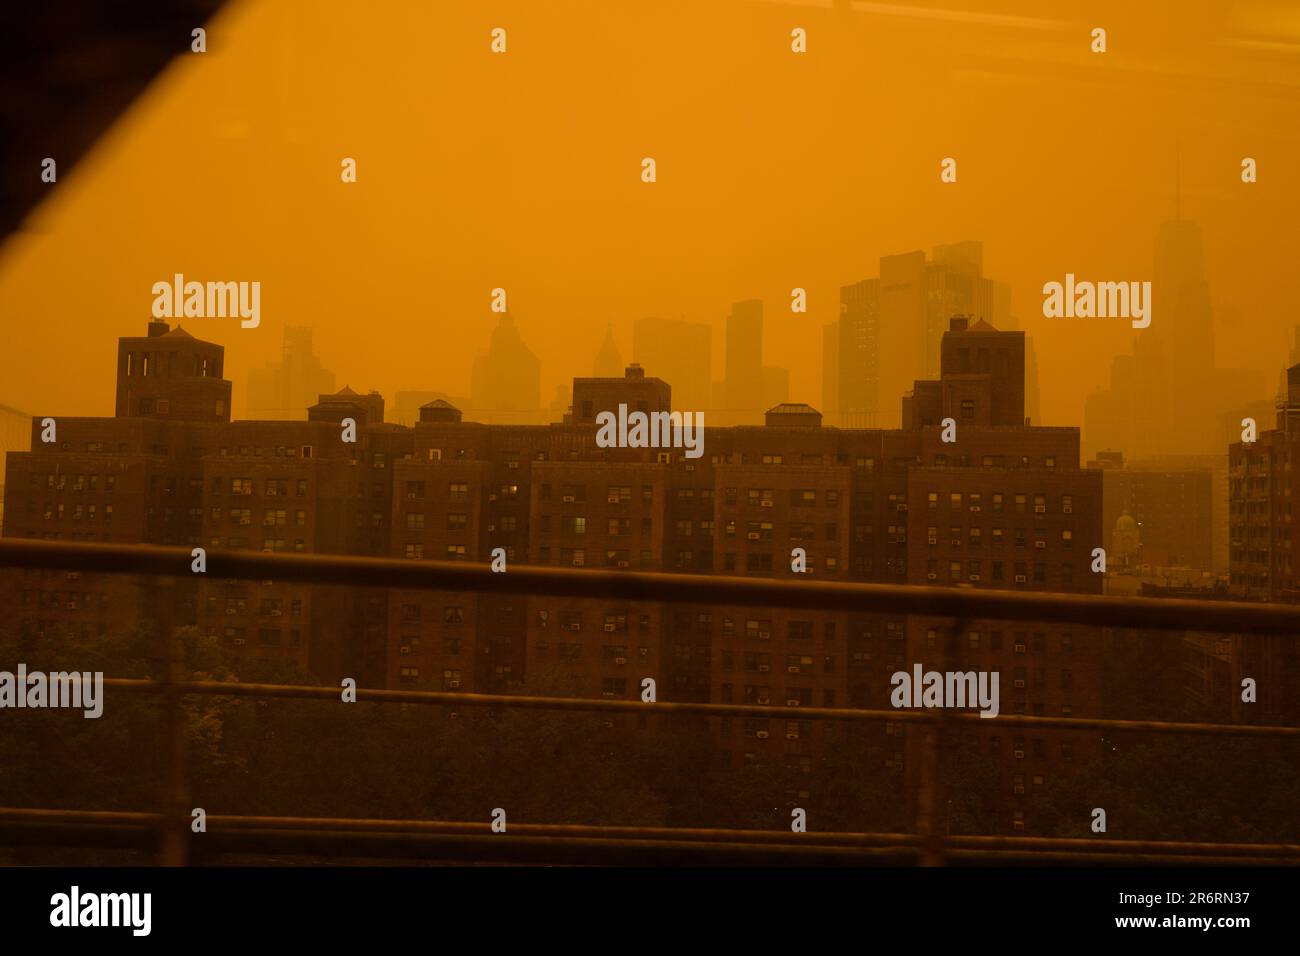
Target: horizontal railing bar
point(440, 698)
point(324, 827)
point(966, 603)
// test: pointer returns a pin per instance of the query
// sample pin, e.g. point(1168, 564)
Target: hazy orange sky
point(775, 170)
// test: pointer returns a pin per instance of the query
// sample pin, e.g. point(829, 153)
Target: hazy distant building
point(609, 363)
point(858, 365)
point(1165, 398)
point(678, 352)
point(891, 327)
point(506, 380)
point(742, 383)
point(281, 391)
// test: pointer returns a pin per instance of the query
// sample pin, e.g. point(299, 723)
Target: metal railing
point(169, 830)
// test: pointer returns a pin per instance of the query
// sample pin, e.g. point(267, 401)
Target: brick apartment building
point(1004, 506)
point(1261, 488)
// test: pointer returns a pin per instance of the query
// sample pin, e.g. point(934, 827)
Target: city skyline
point(770, 432)
point(552, 221)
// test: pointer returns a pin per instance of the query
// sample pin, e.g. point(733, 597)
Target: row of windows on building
point(973, 536)
point(65, 600)
point(272, 607)
point(1019, 572)
point(975, 501)
point(271, 487)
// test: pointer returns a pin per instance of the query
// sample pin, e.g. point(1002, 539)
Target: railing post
point(174, 812)
point(931, 789)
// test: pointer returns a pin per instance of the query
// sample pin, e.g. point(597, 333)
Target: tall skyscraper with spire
point(506, 380)
point(609, 363)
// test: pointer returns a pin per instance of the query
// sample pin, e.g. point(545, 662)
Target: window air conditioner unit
point(792, 669)
point(612, 499)
point(1020, 788)
point(762, 735)
point(1040, 544)
point(931, 576)
point(1068, 509)
point(764, 667)
point(575, 626)
point(1020, 648)
point(1018, 825)
point(1020, 683)
point(763, 699)
point(767, 503)
point(620, 660)
point(752, 536)
point(902, 506)
point(1019, 755)
point(932, 540)
point(955, 542)
point(609, 626)
point(974, 577)
point(764, 635)
point(230, 610)
point(453, 684)
point(276, 612)
point(1040, 509)
point(568, 499)
point(241, 641)
point(512, 465)
point(1020, 579)
point(792, 702)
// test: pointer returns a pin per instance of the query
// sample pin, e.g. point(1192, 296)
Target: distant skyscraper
point(1164, 398)
point(282, 391)
point(608, 364)
point(680, 353)
point(858, 367)
point(743, 381)
point(891, 328)
point(506, 381)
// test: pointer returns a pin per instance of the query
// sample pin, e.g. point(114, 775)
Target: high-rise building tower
point(858, 368)
point(506, 381)
point(284, 390)
point(608, 364)
point(743, 382)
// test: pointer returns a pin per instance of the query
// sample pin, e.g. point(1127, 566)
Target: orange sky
point(775, 170)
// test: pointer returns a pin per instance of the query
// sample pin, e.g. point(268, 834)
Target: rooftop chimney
point(157, 327)
point(958, 323)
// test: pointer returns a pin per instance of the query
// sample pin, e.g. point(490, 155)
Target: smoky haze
point(774, 171)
